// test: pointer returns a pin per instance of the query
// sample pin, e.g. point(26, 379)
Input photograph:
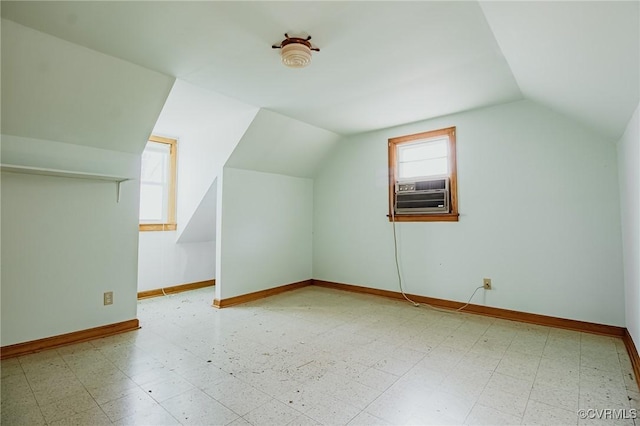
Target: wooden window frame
point(453, 215)
point(171, 224)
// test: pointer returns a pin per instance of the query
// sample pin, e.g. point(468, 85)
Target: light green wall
point(65, 242)
point(265, 232)
point(629, 163)
point(539, 214)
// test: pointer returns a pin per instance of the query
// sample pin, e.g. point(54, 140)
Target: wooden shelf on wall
point(14, 168)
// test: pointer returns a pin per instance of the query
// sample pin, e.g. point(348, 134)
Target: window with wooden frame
point(158, 185)
point(423, 184)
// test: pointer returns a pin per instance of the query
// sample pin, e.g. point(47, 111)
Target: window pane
point(155, 162)
point(151, 203)
point(423, 168)
point(152, 167)
point(423, 151)
point(157, 182)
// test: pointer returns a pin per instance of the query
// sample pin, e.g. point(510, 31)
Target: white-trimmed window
point(158, 185)
point(422, 166)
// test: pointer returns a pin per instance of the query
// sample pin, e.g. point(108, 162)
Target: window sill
point(440, 217)
point(144, 227)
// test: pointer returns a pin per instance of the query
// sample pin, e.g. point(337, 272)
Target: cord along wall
point(526, 179)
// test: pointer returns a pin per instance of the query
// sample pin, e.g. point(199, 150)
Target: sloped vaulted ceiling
point(381, 63)
point(274, 143)
point(579, 58)
point(56, 90)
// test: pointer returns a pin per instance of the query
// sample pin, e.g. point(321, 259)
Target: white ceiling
point(381, 63)
point(579, 58)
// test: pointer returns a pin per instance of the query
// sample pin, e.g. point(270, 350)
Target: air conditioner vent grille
point(422, 197)
point(427, 185)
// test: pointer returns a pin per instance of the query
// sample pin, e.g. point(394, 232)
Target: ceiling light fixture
point(296, 51)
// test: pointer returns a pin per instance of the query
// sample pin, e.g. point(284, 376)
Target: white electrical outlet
point(108, 298)
point(486, 283)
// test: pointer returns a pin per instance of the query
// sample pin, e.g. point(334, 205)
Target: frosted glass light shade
point(296, 55)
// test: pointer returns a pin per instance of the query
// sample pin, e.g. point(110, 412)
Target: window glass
point(151, 203)
point(157, 185)
point(423, 159)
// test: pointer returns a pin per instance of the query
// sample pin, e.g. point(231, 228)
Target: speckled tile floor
point(321, 356)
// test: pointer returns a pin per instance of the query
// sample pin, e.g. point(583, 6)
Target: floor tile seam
point(137, 386)
point(530, 391)
point(598, 399)
point(613, 348)
point(350, 379)
point(466, 352)
point(388, 386)
point(317, 335)
point(606, 374)
point(563, 389)
point(546, 339)
point(547, 357)
point(122, 396)
point(413, 364)
point(307, 416)
point(480, 394)
point(244, 382)
point(13, 406)
point(199, 356)
point(539, 362)
point(370, 414)
point(83, 411)
point(548, 405)
point(613, 390)
point(554, 405)
point(168, 398)
point(33, 392)
point(492, 408)
point(78, 412)
point(346, 423)
point(261, 405)
point(24, 374)
point(452, 372)
point(330, 396)
point(21, 372)
point(163, 409)
point(381, 394)
point(197, 386)
point(364, 410)
point(585, 361)
point(130, 376)
point(90, 373)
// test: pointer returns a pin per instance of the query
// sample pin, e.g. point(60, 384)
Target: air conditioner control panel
point(404, 187)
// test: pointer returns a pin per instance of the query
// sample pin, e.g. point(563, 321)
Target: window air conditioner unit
point(423, 196)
